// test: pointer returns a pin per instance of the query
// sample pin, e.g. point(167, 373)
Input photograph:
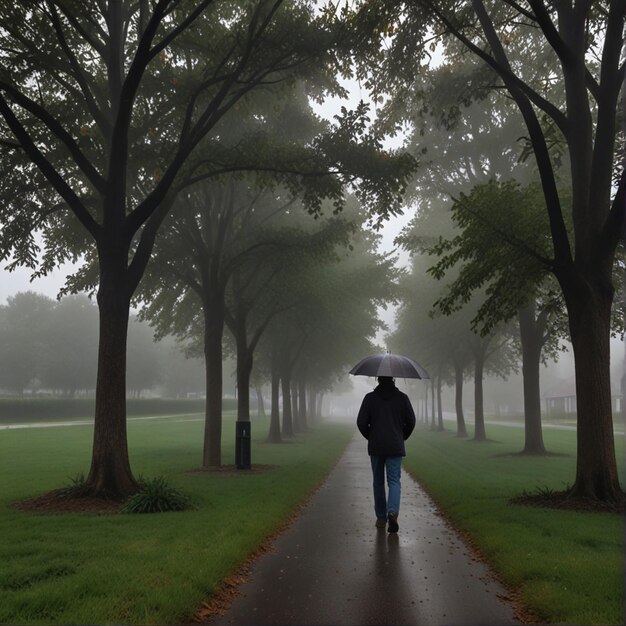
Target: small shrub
point(545, 492)
point(157, 496)
point(76, 483)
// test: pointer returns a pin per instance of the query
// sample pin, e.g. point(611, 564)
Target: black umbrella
point(394, 365)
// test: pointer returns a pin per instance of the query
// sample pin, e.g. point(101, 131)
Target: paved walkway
point(332, 566)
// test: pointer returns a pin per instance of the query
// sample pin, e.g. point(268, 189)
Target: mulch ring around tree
point(231, 470)
point(63, 501)
point(562, 500)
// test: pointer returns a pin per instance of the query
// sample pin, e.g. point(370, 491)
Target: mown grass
point(568, 567)
point(86, 568)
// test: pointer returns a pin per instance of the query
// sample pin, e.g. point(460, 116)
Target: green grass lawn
point(568, 567)
point(86, 568)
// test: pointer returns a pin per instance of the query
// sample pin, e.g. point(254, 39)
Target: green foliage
point(544, 491)
point(24, 337)
point(502, 247)
point(53, 345)
point(332, 320)
point(156, 495)
point(434, 340)
point(75, 484)
point(211, 84)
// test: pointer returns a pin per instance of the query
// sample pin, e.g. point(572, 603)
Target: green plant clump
point(75, 484)
point(157, 496)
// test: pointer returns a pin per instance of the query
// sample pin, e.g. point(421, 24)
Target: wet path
point(333, 566)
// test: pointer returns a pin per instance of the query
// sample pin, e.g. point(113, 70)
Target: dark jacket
point(386, 419)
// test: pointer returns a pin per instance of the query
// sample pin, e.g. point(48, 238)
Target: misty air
point(312, 312)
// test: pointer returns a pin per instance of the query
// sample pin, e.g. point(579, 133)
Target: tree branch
point(98, 46)
point(57, 129)
point(615, 225)
point(167, 40)
point(47, 169)
point(146, 244)
point(78, 74)
point(504, 70)
point(560, 239)
point(520, 244)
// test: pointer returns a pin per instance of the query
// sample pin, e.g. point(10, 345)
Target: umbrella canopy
point(394, 365)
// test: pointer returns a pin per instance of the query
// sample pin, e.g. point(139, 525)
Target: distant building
point(560, 400)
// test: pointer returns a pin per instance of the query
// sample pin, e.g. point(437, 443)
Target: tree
point(500, 228)
point(144, 367)
point(257, 292)
point(182, 373)
point(330, 324)
point(338, 310)
point(446, 344)
point(492, 353)
point(219, 231)
point(436, 341)
point(580, 48)
point(228, 233)
point(24, 327)
point(497, 213)
point(70, 353)
point(107, 110)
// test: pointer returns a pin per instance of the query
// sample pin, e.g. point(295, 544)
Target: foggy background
point(160, 369)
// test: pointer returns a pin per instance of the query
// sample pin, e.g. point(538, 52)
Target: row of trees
point(533, 243)
point(298, 296)
point(115, 112)
point(497, 303)
point(52, 346)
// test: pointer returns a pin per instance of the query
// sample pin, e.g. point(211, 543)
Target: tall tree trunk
point(244, 370)
point(295, 413)
point(312, 405)
point(531, 340)
point(110, 475)
point(623, 303)
point(433, 424)
point(479, 404)
point(243, 452)
point(274, 432)
point(213, 334)
point(461, 429)
point(287, 417)
point(589, 310)
point(260, 411)
point(440, 426)
point(318, 406)
point(302, 403)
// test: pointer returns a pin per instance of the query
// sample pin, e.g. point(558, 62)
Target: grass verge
point(566, 567)
point(148, 569)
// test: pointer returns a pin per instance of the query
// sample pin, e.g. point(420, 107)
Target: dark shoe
point(381, 522)
point(393, 527)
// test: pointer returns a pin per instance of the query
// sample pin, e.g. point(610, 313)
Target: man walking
point(386, 419)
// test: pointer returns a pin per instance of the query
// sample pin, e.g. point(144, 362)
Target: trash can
point(242, 445)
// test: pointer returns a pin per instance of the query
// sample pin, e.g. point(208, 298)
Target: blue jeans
point(392, 464)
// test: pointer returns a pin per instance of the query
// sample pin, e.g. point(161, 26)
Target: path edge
point(522, 612)
point(227, 590)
